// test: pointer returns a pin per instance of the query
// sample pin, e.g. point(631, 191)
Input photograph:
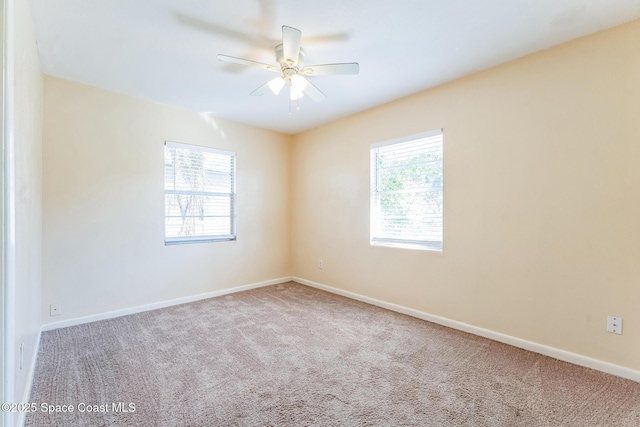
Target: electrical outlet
point(320, 264)
point(614, 324)
point(55, 309)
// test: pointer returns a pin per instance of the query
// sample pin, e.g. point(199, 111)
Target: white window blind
point(406, 192)
point(199, 194)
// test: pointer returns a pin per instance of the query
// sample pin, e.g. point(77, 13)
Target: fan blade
point(241, 61)
point(313, 92)
point(331, 69)
point(291, 44)
point(261, 90)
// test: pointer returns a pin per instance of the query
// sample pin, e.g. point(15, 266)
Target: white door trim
point(7, 214)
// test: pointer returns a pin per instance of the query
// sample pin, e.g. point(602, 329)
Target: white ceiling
point(165, 50)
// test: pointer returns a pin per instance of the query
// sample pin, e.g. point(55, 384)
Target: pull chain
point(290, 91)
point(297, 99)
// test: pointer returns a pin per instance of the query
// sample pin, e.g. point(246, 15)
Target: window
point(406, 192)
point(199, 194)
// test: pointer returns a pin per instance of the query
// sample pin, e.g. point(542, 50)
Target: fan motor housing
point(283, 63)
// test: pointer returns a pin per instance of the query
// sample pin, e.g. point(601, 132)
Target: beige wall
point(542, 208)
point(103, 201)
point(541, 201)
point(28, 190)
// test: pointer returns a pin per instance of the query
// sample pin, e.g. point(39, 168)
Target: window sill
point(198, 240)
point(408, 245)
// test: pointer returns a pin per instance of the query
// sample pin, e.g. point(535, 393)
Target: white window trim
point(194, 147)
point(427, 134)
point(426, 245)
point(184, 240)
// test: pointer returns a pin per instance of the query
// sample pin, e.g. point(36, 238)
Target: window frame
point(182, 240)
point(374, 198)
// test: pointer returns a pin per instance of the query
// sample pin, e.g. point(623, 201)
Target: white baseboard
point(156, 305)
point(30, 375)
point(576, 359)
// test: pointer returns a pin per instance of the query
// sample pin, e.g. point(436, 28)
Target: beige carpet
point(289, 355)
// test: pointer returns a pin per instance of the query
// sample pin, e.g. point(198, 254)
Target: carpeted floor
point(289, 355)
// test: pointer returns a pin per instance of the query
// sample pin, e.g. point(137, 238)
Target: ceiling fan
point(289, 57)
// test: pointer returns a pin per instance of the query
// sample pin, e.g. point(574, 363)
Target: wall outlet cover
point(614, 324)
point(55, 309)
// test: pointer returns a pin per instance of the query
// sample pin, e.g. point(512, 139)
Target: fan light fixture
point(297, 84)
point(276, 85)
point(289, 57)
